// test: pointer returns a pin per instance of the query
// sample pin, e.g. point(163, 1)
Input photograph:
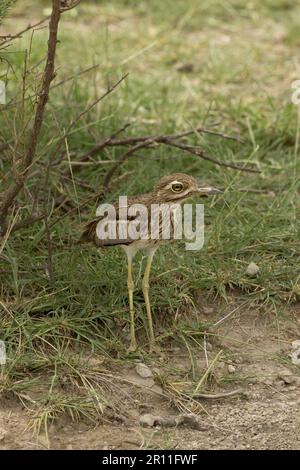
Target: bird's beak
point(209, 191)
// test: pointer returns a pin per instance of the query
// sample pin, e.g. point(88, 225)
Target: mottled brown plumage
point(170, 190)
point(161, 193)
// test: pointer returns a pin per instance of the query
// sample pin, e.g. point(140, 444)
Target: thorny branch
point(43, 96)
point(171, 140)
point(10, 37)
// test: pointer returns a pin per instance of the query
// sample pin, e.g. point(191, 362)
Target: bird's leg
point(130, 285)
point(145, 286)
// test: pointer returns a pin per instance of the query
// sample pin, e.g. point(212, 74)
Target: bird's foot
point(133, 346)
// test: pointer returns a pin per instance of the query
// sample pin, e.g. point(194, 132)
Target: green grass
point(242, 61)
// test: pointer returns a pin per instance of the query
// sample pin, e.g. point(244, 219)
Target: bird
point(169, 192)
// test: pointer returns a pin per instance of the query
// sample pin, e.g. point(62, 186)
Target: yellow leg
point(145, 286)
point(130, 284)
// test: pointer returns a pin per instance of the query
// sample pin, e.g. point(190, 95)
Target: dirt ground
point(264, 416)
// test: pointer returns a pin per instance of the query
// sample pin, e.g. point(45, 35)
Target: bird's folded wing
point(98, 226)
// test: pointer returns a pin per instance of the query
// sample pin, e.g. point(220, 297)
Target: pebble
point(296, 344)
point(252, 269)
point(143, 371)
point(147, 420)
point(231, 369)
point(287, 379)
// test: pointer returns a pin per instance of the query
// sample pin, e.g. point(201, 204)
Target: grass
point(227, 64)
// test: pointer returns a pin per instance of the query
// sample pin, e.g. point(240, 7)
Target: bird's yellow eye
point(177, 187)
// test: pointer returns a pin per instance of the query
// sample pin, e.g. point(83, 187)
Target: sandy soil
point(265, 416)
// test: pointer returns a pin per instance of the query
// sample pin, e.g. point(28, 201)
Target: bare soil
point(257, 359)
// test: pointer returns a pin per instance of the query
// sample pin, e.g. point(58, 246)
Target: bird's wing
point(93, 228)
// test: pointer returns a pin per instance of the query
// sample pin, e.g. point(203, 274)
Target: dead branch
point(43, 96)
point(12, 102)
point(98, 196)
point(200, 153)
point(170, 140)
point(76, 75)
point(122, 159)
point(157, 138)
point(85, 111)
point(8, 38)
point(106, 142)
point(27, 222)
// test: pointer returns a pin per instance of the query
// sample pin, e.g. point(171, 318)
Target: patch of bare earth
point(256, 358)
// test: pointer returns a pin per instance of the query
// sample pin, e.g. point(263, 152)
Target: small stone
point(231, 369)
point(147, 420)
point(209, 346)
point(295, 357)
point(149, 382)
point(287, 379)
point(281, 383)
point(296, 344)
point(252, 269)
point(143, 371)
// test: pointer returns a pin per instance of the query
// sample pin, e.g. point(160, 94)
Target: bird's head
point(179, 186)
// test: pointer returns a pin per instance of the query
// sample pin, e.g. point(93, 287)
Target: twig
point(86, 156)
point(12, 102)
point(156, 139)
point(169, 140)
point(218, 395)
point(91, 198)
point(257, 191)
point(10, 37)
point(26, 222)
point(200, 153)
point(122, 159)
point(76, 75)
point(207, 372)
point(43, 96)
point(112, 142)
point(179, 135)
point(85, 111)
point(226, 316)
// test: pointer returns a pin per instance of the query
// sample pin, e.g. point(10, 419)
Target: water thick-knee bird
point(137, 222)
